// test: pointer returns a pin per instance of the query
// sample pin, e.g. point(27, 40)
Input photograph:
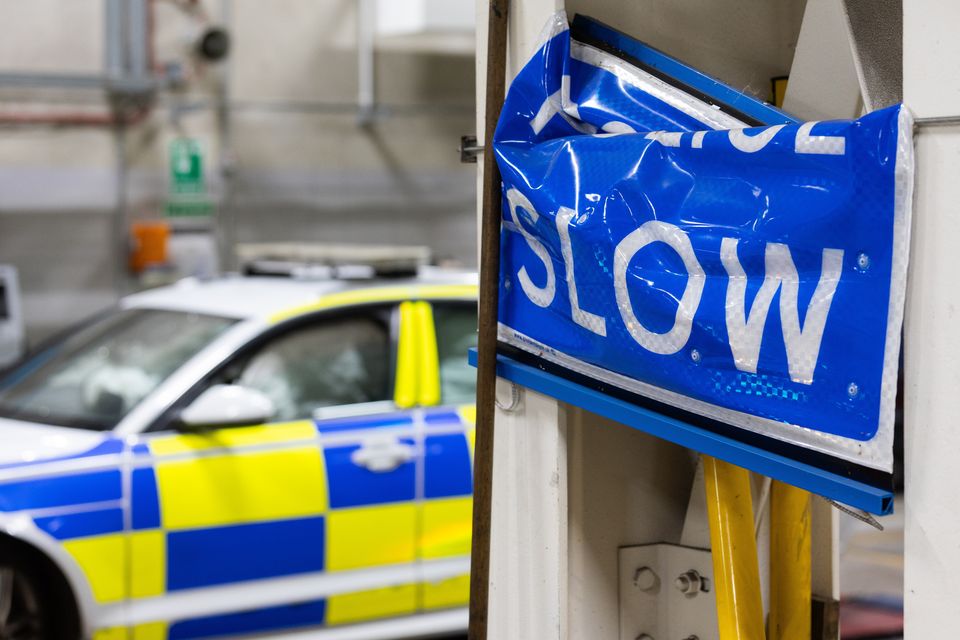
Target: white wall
point(745, 43)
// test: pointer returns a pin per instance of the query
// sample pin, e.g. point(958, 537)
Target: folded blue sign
point(751, 275)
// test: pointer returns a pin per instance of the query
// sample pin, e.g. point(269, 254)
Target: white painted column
point(823, 78)
point(931, 88)
point(625, 488)
point(528, 563)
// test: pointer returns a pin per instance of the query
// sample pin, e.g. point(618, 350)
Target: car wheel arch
point(67, 605)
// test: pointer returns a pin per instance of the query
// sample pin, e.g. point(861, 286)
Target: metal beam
point(53, 80)
point(831, 485)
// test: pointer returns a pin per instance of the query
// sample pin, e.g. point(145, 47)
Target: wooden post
point(487, 339)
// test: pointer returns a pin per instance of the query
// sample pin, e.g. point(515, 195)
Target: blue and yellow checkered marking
point(364, 537)
point(260, 620)
point(58, 491)
point(448, 506)
point(347, 608)
point(354, 486)
point(222, 555)
point(359, 423)
point(366, 519)
point(82, 524)
point(82, 509)
point(146, 631)
point(441, 417)
point(447, 466)
point(104, 560)
point(240, 504)
point(144, 503)
point(225, 489)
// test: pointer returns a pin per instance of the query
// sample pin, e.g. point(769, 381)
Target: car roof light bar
point(315, 261)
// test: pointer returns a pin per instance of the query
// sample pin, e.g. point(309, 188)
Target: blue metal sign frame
point(828, 484)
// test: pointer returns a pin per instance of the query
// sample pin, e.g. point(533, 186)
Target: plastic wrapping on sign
point(754, 276)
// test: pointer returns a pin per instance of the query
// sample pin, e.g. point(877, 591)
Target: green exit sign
point(187, 195)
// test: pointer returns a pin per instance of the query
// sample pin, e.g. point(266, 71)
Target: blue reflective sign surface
point(752, 275)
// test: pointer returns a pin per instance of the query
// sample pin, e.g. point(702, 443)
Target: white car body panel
point(31, 442)
point(234, 297)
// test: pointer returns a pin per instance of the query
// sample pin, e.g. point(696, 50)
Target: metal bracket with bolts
point(469, 149)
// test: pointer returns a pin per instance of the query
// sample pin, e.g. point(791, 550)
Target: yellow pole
point(789, 562)
point(735, 566)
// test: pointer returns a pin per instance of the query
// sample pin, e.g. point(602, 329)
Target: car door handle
point(382, 454)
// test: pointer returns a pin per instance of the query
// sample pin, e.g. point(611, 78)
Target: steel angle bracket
point(666, 591)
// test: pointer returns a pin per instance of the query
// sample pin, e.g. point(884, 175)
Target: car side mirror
point(226, 405)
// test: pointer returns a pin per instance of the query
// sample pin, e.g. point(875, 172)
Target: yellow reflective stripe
point(452, 592)
point(371, 536)
point(446, 291)
point(150, 631)
point(380, 294)
point(341, 299)
point(372, 604)
point(146, 631)
point(468, 414)
point(235, 437)
point(446, 528)
point(405, 388)
point(101, 560)
point(429, 360)
point(228, 489)
point(148, 563)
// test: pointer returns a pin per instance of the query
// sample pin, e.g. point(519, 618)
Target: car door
point(448, 455)
point(375, 469)
point(225, 521)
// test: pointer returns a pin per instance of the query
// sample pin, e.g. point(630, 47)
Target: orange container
point(149, 245)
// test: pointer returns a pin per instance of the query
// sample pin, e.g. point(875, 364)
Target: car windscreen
point(94, 376)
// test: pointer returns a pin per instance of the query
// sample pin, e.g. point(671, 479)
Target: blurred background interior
point(226, 121)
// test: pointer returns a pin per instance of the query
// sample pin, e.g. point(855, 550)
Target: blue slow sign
point(753, 275)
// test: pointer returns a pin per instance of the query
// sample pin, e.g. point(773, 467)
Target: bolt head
point(646, 579)
point(644, 636)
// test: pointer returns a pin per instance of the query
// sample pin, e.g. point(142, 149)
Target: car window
point(456, 326)
point(97, 374)
point(338, 361)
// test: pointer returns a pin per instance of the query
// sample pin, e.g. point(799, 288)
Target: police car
point(244, 456)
